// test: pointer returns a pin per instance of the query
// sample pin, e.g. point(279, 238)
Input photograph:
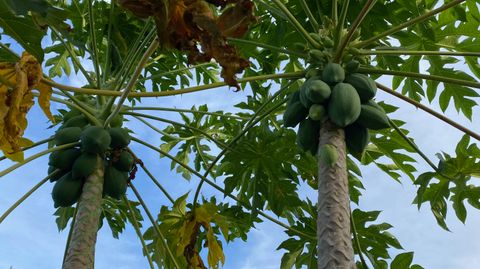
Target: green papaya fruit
point(344, 105)
point(119, 138)
point(357, 138)
point(124, 162)
point(294, 114)
point(333, 73)
point(84, 165)
point(313, 72)
point(64, 159)
point(328, 42)
point(317, 112)
point(95, 139)
point(117, 121)
point(372, 116)
point(115, 184)
point(317, 38)
point(316, 55)
point(67, 135)
point(365, 86)
point(318, 91)
point(352, 66)
point(303, 91)
point(308, 135)
point(70, 114)
point(328, 154)
point(66, 191)
point(76, 121)
point(58, 175)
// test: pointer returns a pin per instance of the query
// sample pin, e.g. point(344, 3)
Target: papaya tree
point(314, 66)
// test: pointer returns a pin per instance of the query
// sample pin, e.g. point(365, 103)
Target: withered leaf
point(185, 24)
point(16, 98)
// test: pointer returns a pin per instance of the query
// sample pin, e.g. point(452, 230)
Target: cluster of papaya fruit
point(97, 146)
point(346, 99)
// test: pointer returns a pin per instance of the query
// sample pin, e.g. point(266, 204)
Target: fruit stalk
point(81, 250)
point(333, 220)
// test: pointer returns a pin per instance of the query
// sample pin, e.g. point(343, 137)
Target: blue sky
point(29, 237)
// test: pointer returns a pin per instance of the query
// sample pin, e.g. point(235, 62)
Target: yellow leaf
point(16, 99)
point(18, 156)
point(44, 99)
point(215, 251)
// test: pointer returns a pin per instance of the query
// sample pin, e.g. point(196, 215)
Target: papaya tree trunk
point(81, 250)
point(333, 219)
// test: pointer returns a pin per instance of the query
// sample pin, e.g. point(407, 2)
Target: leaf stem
point(443, 79)
point(334, 11)
point(295, 23)
point(106, 68)
point(26, 195)
point(361, 16)
point(176, 71)
point(310, 16)
point(136, 108)
point(413, 145)
point(87, 114)
point(409, 23)
point(418, 52)
point(430, 111)
point(298, 74)
point(155, 225)
point(133, 80)
point(267, 46)
point(35, 156)
point(70, 233)
point(221, 144)
point(211, 183)
point(133, 221)
point(160, 131)
point(150, 175)
point(94, 52)
point(41, 142)
point(357, 241)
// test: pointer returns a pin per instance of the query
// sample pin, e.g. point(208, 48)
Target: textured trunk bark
point(81, 250)
point(333, 223)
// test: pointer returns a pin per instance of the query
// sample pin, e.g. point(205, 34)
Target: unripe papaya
point(316, 55)
point(70, 114)
point(357, 138)
point(58, 175)
point(328, 42)
point(294, 114)
point(372, 116)
point(317, 112)
point(119, 138)
point(115, 184)
point(333, 73)
point(64, 159)
point(344, 105)
point(84, 165)
point(66, 191)
point(125, 161)
point(313, 72)
point(117, 121)
point(318, 91)
point(95, 139)
point(67, 135)
point(365, 86)
point(76, 121)
point(308, 135)
point(352, 67)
